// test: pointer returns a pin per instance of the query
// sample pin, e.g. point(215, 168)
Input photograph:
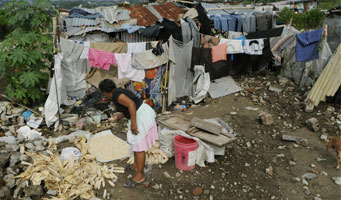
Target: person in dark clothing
point(142, 131)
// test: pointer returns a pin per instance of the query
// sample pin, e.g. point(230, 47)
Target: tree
point(302, 21)
point(25, 53)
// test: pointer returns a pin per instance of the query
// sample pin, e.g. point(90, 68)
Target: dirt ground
point(241, 173)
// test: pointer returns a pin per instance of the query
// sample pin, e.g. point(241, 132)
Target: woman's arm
point(127, 102)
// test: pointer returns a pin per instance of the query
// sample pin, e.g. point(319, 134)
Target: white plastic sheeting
point(205, 151)
point(201, 83)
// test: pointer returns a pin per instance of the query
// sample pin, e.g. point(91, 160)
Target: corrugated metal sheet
point(212, 9)
point(76, 22)
point(169, 11)
point(143, 15)
point(134, 37)
point(328, 82)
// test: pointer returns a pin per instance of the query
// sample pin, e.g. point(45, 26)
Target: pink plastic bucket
point(185, 152)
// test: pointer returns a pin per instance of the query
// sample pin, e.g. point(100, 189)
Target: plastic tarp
point(201, 83)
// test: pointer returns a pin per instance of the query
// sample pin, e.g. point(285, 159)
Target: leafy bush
point(25, 52)
point(3, 25)
point(308, 20)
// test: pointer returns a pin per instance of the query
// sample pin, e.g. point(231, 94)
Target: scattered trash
point(29, 134)
point(337, 180)
point(180, 107)
point(275, 89)
point(295, 139)
point(313, 124)
point(70, 153)
point(251, 108)
point(27, 114)
point(266, 118)
point(34, 122)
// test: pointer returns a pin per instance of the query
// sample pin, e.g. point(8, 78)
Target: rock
point(324, 173)
point(156, 186)
point(283, 80)
point(206, 192)
point(29, 146)
point(39, 145)
point(306, 190)
point(295, 139)
point(247, 165)
point(33, 190)
point(269, 170)
point(167, 175)
point(308, 176)
point(9, 180)
point(197, 191)
point(317, 198)
point(318, 159)
point(312, 165)
point(5, 193)
point(211, 197)
point(292, 163)
point(275, 89)
point(4, 159)
point(324, 137)
point(296, 179)
point(248, 144)
point(14, 159)
point(337, 180)
point(52, 192)
point(313, 124)
point(266, 118)
point(9, 170)
point(280, 155)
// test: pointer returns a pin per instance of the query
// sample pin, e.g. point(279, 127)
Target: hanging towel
point(233, 46)
point(125, 70)
point(307, 44)
point(101, 59)
point(137, 47)
point(219, 52)
point(254, 47)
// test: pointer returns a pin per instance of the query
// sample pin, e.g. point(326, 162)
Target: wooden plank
point(175, 122)
point(206, 126)
point(218, 140)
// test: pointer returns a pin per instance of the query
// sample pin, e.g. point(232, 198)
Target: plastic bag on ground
point(70, 153)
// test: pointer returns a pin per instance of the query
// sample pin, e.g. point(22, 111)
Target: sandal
point(131, 183)
point(129, 168)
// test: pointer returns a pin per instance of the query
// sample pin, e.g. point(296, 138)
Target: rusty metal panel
point(143, 15)
point(134, 37)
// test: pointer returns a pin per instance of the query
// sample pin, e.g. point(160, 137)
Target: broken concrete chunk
point(313, 124)
point(337, 180)
point(9, 180)
point(266, 118)
point(275, 89)
point(33, 190)
point(295, 139)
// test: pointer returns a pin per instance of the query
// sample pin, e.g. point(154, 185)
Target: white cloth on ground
point(125, 69)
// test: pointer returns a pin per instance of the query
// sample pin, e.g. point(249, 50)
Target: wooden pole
point(165, 86)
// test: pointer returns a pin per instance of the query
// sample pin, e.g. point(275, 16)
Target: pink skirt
point(148, 141)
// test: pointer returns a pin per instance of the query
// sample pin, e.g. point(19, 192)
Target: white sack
point(201, 84)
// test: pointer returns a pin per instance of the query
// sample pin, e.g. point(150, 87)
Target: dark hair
point(106, 85)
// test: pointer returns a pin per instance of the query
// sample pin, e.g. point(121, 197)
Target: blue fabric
point(130, 28)
point(216, 22)
point(307, 44)
point(239, 20)
point(231, 22)
point(243, 38)
point(224, 23)
point(81, 13)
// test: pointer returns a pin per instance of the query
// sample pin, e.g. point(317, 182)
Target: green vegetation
point(25, 53)
point(308, 20)
point(3, 25)
point(328, 4)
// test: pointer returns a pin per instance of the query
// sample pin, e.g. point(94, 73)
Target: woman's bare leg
point(139, 160)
